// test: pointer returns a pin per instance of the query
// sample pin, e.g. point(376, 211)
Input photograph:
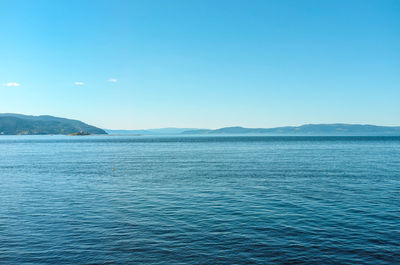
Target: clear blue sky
point(205, 64)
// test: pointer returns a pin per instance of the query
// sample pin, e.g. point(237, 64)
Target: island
point(79, 134)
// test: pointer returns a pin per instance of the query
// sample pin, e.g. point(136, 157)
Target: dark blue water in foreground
point(199, 200)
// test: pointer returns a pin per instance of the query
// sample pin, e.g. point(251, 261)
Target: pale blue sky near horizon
point(202, 64)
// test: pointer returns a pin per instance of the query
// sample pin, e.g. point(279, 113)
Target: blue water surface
point(199, 200)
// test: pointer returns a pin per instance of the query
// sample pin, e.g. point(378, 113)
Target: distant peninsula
point(309, 130)
point(18, 124)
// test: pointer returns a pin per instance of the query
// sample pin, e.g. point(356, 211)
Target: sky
point(202, 64)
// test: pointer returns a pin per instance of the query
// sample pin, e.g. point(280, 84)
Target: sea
point(199, 200)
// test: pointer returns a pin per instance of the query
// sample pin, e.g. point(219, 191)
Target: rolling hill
point(18, 124)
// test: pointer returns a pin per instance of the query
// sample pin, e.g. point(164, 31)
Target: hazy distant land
point(303, 130)
point(151, 131)
point(309, 129)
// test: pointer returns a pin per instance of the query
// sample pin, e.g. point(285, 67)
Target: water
point(199, 200)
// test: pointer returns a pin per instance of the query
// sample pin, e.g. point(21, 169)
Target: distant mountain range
point(18, 124)
point(309, 129)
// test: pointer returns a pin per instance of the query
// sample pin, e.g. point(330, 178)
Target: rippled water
point(199, 200)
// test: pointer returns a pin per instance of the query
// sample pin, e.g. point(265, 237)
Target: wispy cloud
point(112, 80)
point(12, 84)
point(79, 83)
